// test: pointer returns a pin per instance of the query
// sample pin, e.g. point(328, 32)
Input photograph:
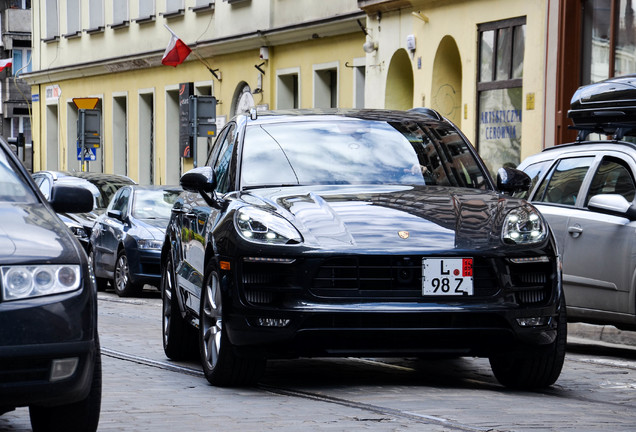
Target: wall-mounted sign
point(53, 93)
point(500, 127)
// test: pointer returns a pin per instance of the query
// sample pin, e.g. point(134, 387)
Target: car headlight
point(260, 226)
point(149, 244)
point(79, 232)
point(19, 282)
point(524, 225)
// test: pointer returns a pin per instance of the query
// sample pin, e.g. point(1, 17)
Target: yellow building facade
point(273, 54)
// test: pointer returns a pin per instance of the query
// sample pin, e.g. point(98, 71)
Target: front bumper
point(144, 266)
point(48, 348)
point(376, 330)
point(361, 305)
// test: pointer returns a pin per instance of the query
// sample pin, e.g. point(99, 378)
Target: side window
point(613, 176)
point(215, 147)
point(120, 201)
point(564, 182)
point(534, 171)
point(222, 165)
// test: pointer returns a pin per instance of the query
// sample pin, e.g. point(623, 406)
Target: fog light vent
point(260, 297)
point(63, 368)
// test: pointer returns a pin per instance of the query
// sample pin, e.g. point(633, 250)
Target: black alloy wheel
point(121, 277)
point(221, 364)
point(179, 338)
point(102, 283)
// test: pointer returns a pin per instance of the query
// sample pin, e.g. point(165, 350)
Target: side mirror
point(612, 204)
point(71, 199)
point(201, 179)
point(511, 180)
point(115, 214)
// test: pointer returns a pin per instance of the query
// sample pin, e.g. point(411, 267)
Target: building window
point(19, 4)
point(287, 89)
point(120, 12)
point(73, 20)
point(96, 14)
point(608, 40)
point(21, 59)
point(146, 9)
point(499, 88)
point(173, 6)
point(52, 21)
point(326, 86)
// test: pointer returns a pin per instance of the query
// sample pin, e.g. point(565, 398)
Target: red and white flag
point(4, 63)
point(176, 52)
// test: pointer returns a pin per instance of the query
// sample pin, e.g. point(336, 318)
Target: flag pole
point(203, 62)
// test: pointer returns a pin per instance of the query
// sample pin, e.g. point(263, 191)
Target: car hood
point(151, 228)
point(383, 218)
point(84, 219)
point(31, 233)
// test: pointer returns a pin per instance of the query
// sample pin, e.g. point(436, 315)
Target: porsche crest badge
point(403, 234)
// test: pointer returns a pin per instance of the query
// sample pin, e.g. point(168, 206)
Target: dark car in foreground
point(125, 244)
point(358, 233)
point(49, 346)
point(102, 186)
point(586, 190)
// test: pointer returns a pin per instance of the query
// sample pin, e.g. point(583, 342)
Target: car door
point(598, 252)
point(111, 229)
point(196, 214)
point(557, 193)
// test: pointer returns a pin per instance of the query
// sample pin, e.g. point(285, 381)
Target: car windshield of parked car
point(12, 185)
point(353, 151)
point(154, 204)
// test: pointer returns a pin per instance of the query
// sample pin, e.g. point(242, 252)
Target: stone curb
point(602, 333)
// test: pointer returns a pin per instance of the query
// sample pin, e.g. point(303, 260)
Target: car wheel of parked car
point(121, 277)
point(537, 369)
point(221, 364)
point(101, 282)
point(179, 339)
point(81, 416)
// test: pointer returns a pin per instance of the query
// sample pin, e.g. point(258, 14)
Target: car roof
point(87, 176)
point(425, 115)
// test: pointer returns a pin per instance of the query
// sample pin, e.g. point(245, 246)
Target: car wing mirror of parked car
point(115, 214)
point(203, 181)
point(71, 199)
point(612, 204)
point(511, 180)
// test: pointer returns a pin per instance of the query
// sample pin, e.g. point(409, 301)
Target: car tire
point(121, 277)
point(179, 338)
point(102, 283)
point(81, 416)
point(222, 366)
point(534, 370)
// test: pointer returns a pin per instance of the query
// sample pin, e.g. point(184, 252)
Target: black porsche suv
point(358, 233)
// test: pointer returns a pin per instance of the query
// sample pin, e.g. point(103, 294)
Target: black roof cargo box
point(606, 106)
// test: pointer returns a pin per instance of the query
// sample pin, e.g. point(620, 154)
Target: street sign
point(86, 103)
point(90, 154)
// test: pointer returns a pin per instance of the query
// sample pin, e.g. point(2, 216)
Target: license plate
point(447, 276)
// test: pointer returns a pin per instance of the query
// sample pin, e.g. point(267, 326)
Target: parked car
point(125, 244)
point(49, 345)
point(586, 192)
point(102, 186)
point(357, 233)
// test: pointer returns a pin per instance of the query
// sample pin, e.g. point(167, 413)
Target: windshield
point(13, 187)
point(352, 151)
point(154, 204)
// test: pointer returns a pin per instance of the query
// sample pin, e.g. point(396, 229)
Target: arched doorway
point(446, 90)
point(399, 82)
